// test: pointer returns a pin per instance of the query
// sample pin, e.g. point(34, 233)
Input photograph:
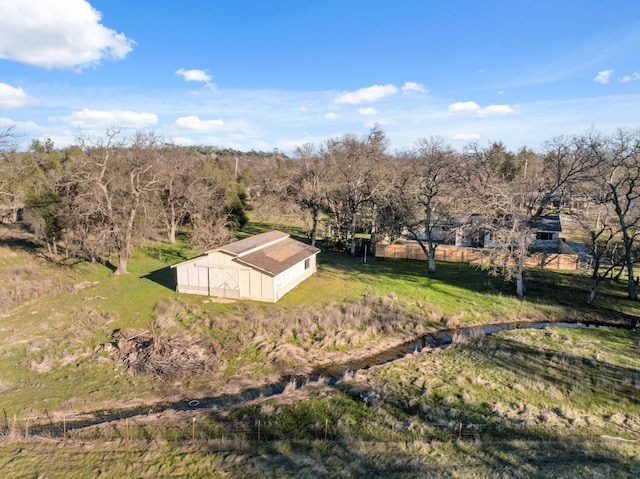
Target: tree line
point(98, 197)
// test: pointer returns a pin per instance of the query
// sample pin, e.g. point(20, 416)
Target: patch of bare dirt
point(168, 358)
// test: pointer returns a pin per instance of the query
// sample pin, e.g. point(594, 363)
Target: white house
point(262, 267)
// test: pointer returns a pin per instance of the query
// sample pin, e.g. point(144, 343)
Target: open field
point(536, 403)
point(528, 401)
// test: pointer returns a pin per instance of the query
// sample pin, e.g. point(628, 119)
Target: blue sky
point(279, 73)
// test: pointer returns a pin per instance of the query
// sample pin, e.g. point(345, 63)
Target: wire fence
point(148, 428)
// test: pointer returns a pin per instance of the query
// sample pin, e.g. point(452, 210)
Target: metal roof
point(244, 246)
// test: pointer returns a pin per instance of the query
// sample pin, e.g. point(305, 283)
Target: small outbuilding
point(263, 267)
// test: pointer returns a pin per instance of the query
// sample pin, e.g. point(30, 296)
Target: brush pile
point(167, 358)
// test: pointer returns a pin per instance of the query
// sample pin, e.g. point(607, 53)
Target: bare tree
point(352, 162)
point(605, 248)
point(431, 187)
point(616, 180)
point(112, 180)
point(308, 186)
point(10, 170)
point(394, 202)
point(509, 207)
point(190, 190)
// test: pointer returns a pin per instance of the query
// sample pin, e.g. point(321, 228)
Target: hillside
point(521, 399)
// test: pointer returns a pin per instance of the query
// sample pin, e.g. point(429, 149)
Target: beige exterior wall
point(289, 279)
point(192, 279)
point(217, 275)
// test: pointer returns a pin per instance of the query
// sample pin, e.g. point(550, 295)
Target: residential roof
point(272, 252)
point(275, 258)
point(550, 223)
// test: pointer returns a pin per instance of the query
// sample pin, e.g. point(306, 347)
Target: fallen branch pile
point(166, 358)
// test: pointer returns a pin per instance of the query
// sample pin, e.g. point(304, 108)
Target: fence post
point(193, 428)
point(326, 429)
point(64, 427)
point(126, 428)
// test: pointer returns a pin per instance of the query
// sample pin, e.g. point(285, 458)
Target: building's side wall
point(218, 275)
point(289, 279)
point(549, 244)
point(192, 278)
point(214, 274)
point(256, 285)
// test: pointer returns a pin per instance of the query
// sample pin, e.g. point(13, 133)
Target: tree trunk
point(592, 292)
point(172, 225)
point(123, 259)
point(432, 261)
point(632, 285)
point(124, 245)
point(520, 289)
point(48, 243)
point(314, 225)
point(172, 233)
point(352, 251)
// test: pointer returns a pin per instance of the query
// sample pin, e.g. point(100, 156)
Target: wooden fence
point(455, 254)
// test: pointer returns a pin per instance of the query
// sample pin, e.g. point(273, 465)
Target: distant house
point(263, 267)
point(468, 242)
point(546, 234)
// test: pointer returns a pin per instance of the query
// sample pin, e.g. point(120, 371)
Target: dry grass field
point(559, 402)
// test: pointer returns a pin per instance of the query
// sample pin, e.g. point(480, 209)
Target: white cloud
point(332, 116)
point(412, 87)
point(603, 77)
point(196, 75)
point(463, 106)
point(467, 136)
point(194, 123)
point(368, 111)
point(497, 110)
point(60, 34)
point(12, 98)
point(630, 78)
point(368, 94)
point(88, 118)
point(491, 110)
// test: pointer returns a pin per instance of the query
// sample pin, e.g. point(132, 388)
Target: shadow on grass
point(164, 277)
point(503, 446)
point(567, 290)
